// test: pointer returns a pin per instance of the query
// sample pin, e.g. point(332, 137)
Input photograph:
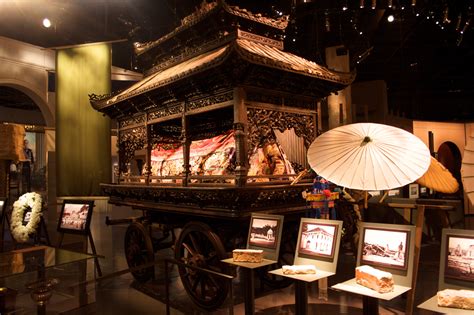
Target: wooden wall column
point(241, 129)
point(148, 149)
point(186, 146)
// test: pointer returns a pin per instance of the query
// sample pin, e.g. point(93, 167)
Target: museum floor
point(118, 293)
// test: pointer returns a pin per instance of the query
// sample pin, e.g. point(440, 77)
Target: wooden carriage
point(221, 77)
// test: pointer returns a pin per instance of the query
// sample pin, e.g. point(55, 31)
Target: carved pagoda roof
point(253, 52)
point(206, 10)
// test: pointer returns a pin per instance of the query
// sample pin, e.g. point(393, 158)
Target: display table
point(370, 298)
point(301, 287)
point(432, 305)
point(36, 270)
point(248, 279)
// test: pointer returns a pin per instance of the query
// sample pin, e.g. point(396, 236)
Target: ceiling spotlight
point(46, 23)
point(390, 18)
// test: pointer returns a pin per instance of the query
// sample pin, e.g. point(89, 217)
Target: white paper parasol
point(369, 156)
point(439, 178)
point(467, 170)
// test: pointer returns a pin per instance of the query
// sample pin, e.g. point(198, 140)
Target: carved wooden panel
point(129, 141)
point(261, 123)
point(132, 121)
point(166, 111)
point(213, 99)
point(191, 199)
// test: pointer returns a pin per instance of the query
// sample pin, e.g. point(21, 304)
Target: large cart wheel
point(285, 257)
point(198, 246)
point(139, 251)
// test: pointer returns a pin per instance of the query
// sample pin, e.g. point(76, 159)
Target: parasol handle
point(385, 194)
point(366, 196)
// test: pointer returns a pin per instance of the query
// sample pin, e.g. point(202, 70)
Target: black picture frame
point(75, 216)
point(317, 240)
point(385, 247)
point(259, 231)
point(459, 257)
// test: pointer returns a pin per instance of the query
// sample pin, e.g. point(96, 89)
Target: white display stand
point(270, 254)
point(432, 305)
point(447, 282)
point(325, 264)
point(402, 278)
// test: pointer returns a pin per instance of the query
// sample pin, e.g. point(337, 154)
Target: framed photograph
point(26, 216)
point(385, 247)
point(413, 191)
point(317, 240)
point(459, 257)
point(264, 231)
point(75, 216)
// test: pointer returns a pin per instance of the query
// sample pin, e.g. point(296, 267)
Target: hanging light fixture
point(446, 19)
point(344, 6)
point(327, 22)
point(46, 22)
point(362, 4)
point(466, 25)
point(458, 23)
point(374, 4)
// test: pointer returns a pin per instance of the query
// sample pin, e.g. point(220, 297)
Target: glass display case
point(43, 279)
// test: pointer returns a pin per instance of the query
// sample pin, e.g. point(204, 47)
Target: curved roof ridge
point(206, 9)
point(271, 56)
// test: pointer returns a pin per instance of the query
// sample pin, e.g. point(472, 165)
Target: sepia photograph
point(385, 247)
point(459, 258)
point(317, 240)
point(27, 216)
point(264, 232)
point(75, 216)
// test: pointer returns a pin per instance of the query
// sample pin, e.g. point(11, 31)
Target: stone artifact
point(248, 255)
point(375, 279)
point(456, 299)
point(298, 269)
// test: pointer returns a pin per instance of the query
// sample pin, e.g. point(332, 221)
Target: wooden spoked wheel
point(139, 251)
point(198, 246)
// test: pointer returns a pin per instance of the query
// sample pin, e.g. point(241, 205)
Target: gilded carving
point(132, 121)
point(231, 199)
point(261, 123)
point(214, 99)
point(166, 111)
point(129, 141)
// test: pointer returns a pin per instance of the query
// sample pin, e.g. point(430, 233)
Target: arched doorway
point(20, 106)
point(450, 156)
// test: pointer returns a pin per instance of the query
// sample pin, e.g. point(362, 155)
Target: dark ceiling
point(425, 56)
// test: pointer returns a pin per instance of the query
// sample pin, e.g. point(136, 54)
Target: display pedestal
point(370, 298)
point(432, 305)
point(249, 280)
point(301, 287)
